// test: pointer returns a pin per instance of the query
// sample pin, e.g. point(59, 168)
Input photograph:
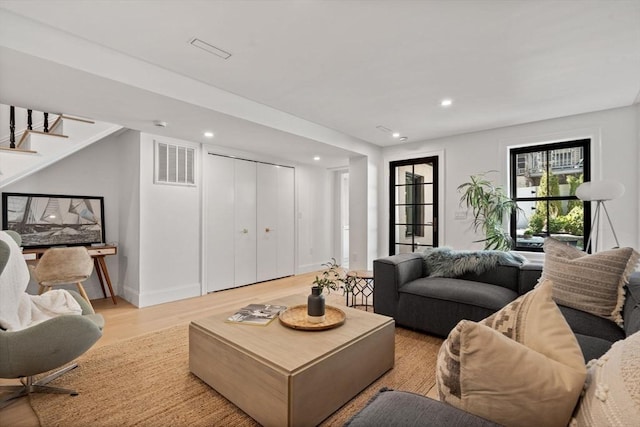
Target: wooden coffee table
point(288, 377)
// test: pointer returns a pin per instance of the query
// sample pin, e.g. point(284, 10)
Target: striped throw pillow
point(592, 283)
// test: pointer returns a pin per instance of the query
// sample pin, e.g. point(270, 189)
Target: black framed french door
point(413, 217)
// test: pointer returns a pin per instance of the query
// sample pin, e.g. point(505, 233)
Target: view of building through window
point(544, 179)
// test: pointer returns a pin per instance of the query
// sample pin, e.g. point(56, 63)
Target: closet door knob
point(267, 229)
point(245, 231)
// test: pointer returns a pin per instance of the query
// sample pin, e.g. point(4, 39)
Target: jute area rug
point(145, 381)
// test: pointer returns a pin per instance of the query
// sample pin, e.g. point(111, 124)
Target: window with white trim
point(544, 179)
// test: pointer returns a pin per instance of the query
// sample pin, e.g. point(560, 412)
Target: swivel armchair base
point(40, 386)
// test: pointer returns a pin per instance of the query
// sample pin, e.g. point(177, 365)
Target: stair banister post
point(29, 120)
point(46, 123)
point(12, 127)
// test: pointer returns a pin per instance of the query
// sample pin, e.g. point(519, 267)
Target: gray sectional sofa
point(435, 305)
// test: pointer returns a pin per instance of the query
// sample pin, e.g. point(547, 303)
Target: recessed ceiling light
point(160, 123)
point(395, 135)
point(403, 139)
point(208, 134)
point(316, 158)
point(446, 102)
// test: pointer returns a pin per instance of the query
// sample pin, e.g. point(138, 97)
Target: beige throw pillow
point(592, 283)
point(612, 390)
point(521, 366)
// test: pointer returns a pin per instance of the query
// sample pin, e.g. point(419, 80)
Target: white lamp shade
point(599, 190)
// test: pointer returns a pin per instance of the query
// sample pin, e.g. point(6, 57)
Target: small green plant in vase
point(331, 279)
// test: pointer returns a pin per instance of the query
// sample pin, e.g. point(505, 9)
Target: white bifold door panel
point(245, 214)
point(250, 222)
point(220, 222)
point(268, 229)
point(275, 221)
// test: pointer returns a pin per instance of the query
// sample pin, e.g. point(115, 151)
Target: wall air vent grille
point(174, 164)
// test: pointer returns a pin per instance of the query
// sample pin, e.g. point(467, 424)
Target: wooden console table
point(97, 253)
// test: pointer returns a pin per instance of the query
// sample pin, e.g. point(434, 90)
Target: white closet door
point(268, 228)
point(245, 222)
point(286, 222)
point(220, 235)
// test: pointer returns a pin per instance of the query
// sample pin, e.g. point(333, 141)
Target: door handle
point(245, 231)
point(266, 230)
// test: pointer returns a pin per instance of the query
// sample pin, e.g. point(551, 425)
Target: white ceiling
point(348, 65)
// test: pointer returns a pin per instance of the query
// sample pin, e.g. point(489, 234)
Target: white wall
point(358, 210)
point(373, 173)
point(128, 167)
point(170, 224)
point(364, 240)
point(89, 172)
point(340, 215)
point(614, 152)
point(314, 218)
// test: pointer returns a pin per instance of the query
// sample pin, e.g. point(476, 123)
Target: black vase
point(315, 306)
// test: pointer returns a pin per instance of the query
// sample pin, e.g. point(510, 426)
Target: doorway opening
point(344, 219)
point(413, 217)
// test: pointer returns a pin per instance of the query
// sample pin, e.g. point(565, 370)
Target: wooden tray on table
point(296, 318)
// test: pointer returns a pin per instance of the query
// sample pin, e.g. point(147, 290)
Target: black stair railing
point(12, 124)
point(12, 127)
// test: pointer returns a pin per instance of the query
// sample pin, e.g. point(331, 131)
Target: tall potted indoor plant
point(331, 279)
point(489, 204)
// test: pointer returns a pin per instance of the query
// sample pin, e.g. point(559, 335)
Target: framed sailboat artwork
point(45, 220)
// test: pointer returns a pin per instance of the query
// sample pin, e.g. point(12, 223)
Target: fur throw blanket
point(446, 262)
point(19, 310)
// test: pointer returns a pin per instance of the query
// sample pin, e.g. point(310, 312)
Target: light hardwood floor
point(123, 321)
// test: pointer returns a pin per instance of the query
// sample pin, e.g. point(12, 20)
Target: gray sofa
point(436, 305)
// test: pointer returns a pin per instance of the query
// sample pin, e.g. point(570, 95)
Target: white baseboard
point(155, 297)
point(308, 268)
point(131, 295)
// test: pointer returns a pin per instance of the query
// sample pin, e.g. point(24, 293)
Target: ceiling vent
point(209, 48)
point(174, 164)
